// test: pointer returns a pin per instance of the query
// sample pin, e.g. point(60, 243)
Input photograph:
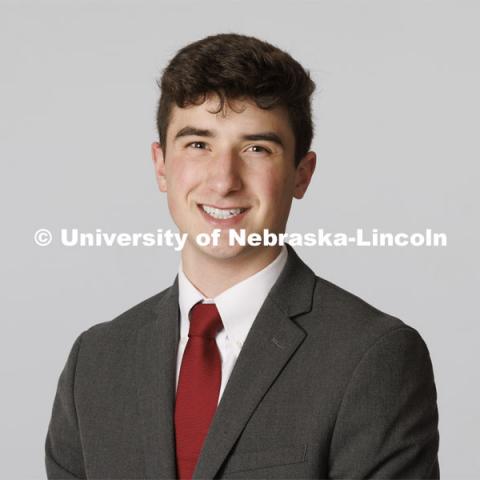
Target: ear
point(159, 165)
point(303, 174)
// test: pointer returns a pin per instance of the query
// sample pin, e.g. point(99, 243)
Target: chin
point(223, 252)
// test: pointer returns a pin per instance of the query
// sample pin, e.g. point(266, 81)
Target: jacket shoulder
point(132, 319)
point(350, 317)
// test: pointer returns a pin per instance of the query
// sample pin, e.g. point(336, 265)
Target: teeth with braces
point(222, 214)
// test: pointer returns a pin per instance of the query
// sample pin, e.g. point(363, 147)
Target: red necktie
point(198, 387)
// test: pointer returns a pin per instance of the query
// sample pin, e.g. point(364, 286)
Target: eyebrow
point(266, 136)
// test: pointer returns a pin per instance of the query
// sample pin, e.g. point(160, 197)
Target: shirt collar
point(239, 305)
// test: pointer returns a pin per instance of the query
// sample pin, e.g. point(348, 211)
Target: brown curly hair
point(236, 66)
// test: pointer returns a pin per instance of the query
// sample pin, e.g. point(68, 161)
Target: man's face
point(234, 169)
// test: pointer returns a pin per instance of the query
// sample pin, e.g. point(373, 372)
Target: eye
point(196, 145)
point(258, 149)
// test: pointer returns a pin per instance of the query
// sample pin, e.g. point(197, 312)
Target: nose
point(224, 176)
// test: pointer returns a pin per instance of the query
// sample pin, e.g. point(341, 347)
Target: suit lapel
point(156, 366)
point(271, 342)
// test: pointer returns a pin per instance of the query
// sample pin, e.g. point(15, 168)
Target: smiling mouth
point(222, 213)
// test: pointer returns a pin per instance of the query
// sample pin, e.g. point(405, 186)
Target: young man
point(248, 366)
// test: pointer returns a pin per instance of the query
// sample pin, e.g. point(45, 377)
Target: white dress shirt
point(238, 306)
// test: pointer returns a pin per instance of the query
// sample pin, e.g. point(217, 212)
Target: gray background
point(397, 122)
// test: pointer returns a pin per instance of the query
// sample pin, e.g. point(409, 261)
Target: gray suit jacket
point(326, 386)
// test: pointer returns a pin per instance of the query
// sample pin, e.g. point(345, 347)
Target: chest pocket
point(239, 462)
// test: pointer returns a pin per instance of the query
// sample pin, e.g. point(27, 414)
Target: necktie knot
point(205, 321)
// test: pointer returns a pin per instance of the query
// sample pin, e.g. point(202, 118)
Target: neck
point(212, 276)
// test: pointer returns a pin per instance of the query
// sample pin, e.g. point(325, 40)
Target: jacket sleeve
point(387, 424)
point(63, 449)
